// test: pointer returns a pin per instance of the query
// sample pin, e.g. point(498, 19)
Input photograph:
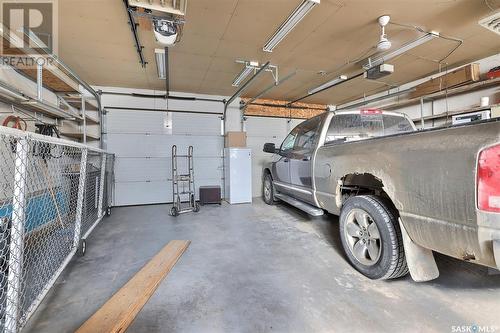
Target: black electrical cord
point(44, 149)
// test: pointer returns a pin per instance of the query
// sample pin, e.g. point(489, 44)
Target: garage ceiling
point(96, 41)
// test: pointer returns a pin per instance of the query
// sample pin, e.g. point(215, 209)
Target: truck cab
point(292, 166)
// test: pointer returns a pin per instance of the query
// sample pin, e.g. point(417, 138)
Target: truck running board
point(309, 209)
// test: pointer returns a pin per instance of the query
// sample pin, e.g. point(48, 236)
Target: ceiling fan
point(384, 43)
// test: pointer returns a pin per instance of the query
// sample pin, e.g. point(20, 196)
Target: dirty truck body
point(426, 181)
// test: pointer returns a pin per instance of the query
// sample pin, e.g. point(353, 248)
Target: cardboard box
point(236, 139)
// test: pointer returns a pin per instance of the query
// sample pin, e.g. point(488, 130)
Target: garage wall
point(259, 131)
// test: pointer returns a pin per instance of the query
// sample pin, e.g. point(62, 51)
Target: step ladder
point(183, 189)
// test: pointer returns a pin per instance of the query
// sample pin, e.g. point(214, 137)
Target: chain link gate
point(53, 193)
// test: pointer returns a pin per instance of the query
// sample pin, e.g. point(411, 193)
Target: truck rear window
point(351, 127)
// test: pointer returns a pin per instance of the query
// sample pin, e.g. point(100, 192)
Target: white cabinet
point(238, 175)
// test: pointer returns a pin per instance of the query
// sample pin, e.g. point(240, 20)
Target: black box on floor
point(210, 195)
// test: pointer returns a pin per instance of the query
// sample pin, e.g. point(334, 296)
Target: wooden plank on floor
point(120, 310)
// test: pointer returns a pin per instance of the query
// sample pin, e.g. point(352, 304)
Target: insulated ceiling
point(96, 41)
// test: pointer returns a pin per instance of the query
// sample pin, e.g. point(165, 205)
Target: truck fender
point(420, 260)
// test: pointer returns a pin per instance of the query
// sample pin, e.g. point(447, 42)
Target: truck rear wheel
point(371, 237)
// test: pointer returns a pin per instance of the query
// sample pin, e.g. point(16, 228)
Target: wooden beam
point(277, 108)
point(463, 75)
point(120, 310)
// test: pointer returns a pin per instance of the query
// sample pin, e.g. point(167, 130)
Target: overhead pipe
point(376, 99)
point(326, 88)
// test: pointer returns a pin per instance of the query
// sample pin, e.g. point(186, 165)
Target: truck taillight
point(488, 179)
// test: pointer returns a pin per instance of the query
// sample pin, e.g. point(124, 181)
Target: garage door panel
point(141, 145)
point(195, 124)
point(160, 169)
point(142, 142)
point(140, 193)
point(154, 192)
point(131, 102)
point(141, 122)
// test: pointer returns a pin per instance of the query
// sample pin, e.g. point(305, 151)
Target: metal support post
point(16, 246)
point(84, 120)
point(39, 81)
point(101, 188)
point(81, 193)
point(422, 124)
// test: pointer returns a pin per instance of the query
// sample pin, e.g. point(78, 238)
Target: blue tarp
point(40, 209)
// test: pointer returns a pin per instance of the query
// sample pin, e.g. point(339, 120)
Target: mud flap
point(496, 252)
point(420, 260)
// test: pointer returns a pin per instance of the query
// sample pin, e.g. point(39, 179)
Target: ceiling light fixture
point(250, 67)
point(328, 84)
point(295, 17)
point(372, 62)
point(160, 63)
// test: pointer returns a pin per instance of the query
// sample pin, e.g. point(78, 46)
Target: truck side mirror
point(269, 148)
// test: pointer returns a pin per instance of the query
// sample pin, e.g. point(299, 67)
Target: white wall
point(452, 103)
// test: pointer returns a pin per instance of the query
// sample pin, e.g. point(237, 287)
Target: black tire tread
point(394, 265)
point(398, 267)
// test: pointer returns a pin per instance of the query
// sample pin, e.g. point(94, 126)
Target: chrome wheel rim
point(267, 189)
point(363, 237)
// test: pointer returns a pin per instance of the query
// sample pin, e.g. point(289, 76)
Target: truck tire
point(268, 189)
point(371, 237)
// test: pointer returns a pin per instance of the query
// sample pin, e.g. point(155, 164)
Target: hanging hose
point(15, 122)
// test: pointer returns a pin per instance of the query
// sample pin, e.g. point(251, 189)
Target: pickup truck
point(400, 193)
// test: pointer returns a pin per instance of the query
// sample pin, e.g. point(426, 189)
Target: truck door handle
point(286, 160)
point(306, 159)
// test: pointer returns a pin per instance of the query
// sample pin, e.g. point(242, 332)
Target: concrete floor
point(255, 268)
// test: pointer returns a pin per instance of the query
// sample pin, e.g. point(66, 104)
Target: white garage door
point(259, 131)
point(142, 142)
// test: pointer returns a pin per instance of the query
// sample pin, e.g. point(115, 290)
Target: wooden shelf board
point(92, 120)
point(442, 94)
point(39, 109)
point(78, 105)
point(457, 112)
point(79, 136)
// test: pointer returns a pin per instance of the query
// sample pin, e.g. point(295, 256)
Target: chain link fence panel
point(52, 194)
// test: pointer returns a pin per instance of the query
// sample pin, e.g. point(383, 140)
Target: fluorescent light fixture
point(160, 63)
point(328, 84)
point(250, 67)
point(372, 62)
point(295, 17)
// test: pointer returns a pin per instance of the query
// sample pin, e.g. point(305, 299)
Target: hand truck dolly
point(187, 188)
